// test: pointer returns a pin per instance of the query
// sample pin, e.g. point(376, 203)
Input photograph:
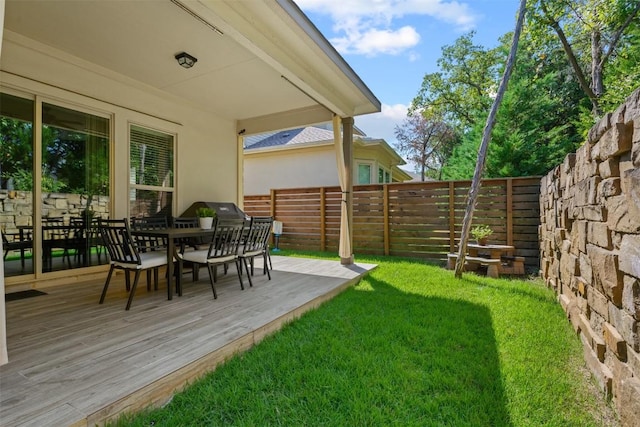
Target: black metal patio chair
point(256, 244)
point(124, 254)
point(222, 251)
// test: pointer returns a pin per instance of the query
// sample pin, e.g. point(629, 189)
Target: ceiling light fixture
point(185, 60)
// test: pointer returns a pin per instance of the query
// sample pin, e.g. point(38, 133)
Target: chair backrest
point(188, 222)
point(181, 222)
point(77, 228)
point(258, 237)
point(148, 243)
point(54, 229)
point(116, 236)
point(226, 238)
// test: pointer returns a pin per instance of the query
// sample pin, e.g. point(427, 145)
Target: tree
point(536, 125)
point(591, 32)
point(486, 137)
point(426, 142)
point(464, 85)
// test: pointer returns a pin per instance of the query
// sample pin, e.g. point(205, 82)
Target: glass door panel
point(16, 183)
point(75, 187)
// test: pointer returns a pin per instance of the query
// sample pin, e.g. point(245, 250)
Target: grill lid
point(223, 210)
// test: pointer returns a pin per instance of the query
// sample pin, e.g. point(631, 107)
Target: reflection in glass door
point(75, 187)
point(16, 183)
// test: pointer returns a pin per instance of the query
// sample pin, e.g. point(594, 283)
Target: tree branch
point(616, 37)
point(572, 59)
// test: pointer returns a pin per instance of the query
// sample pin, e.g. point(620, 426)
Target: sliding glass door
point(69, 178)
point(16, 183)
point(74, 187)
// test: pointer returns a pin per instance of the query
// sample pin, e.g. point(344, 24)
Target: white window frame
point(132, 186)
point(386, 175)
point(372, 171)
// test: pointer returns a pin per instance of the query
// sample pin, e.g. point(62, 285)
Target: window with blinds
point(151, 172)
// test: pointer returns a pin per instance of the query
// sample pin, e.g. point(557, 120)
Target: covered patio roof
point(260, 63)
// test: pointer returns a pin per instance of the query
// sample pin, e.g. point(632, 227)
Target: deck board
point(75, 362)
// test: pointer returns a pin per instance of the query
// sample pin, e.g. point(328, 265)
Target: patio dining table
point(171, 235)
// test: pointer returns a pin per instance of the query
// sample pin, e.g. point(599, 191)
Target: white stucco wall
point(289, 169)
point(206, 146)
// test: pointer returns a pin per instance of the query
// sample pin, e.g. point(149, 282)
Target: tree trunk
point(596, 64)
point(573, 61)
point(486, 136)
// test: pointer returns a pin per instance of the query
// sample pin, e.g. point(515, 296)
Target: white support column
point(240, 175)
point(347, 145)
point(346, 229)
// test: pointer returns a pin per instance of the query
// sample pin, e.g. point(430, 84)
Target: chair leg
point(127, 280)
point(179, 277)
point(212, 279)
point(106, 284)
point(239, 268)
point(155, 279)
point(148, 280)
point(246, 266)
point(133, 289)
point(266, 254)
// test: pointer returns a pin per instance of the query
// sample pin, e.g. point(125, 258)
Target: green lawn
point(410, 345)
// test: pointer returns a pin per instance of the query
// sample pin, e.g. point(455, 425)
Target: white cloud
point(375, 41)
point(366, 26)
point(382, 125)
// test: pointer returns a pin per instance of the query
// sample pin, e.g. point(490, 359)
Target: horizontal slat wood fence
point(419, 220)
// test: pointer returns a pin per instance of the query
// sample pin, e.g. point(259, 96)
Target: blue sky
point(392, 44)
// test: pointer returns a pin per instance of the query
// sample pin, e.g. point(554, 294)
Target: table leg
point(170, 246)
point(492, 271)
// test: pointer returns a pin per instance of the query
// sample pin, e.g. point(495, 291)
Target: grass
point(410, 345)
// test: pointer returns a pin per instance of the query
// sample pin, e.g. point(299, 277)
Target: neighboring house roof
point(291, 137)
point(315, 133)
point(322, 135)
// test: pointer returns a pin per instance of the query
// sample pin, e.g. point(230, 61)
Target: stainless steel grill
point(223, 210)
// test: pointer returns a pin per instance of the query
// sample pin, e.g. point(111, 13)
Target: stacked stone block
point(590, 250)
point(16, 207)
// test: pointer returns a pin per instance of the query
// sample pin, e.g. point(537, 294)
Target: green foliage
point(546, 112)
point(536, 125)
point(623, 72)
point(205, 212)
point(480, 232)
point(464, 85)
point(23, 181)
point(594, 34)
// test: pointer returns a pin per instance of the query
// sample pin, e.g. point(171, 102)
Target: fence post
point(323, 218)
point(273, 203)
point(452, 217)
point(385, 213)
point(272, 208)
point(509, 211)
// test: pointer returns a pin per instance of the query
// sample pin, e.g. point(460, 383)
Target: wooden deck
point(75, 362)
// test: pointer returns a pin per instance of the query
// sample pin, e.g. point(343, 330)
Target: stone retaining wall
point(16, 207)
point(590, 250)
